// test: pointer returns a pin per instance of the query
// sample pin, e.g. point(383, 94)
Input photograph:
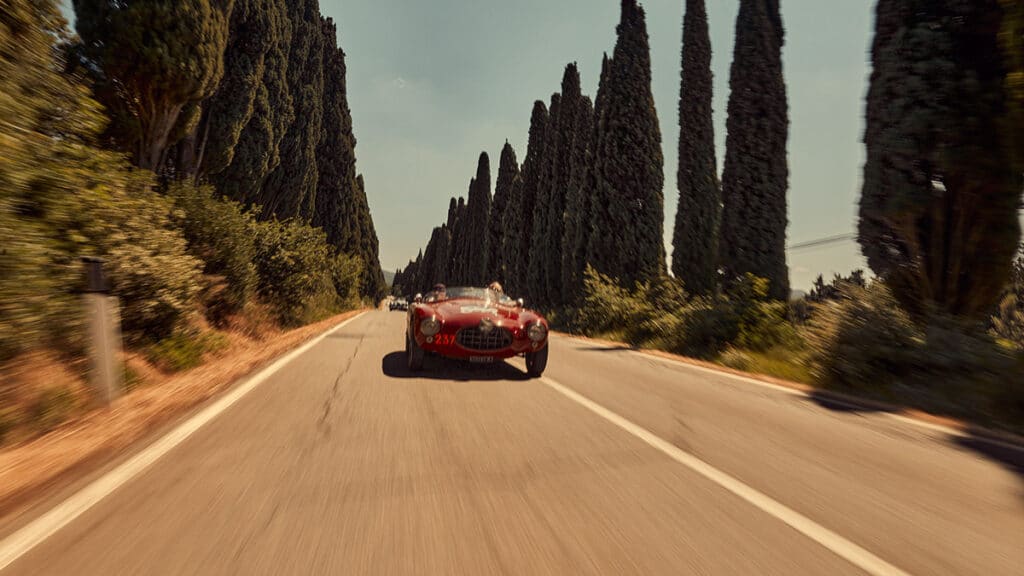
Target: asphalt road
point(342, 462)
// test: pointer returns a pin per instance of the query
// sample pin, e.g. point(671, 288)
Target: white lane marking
point(842, 547)
point(940, 428)
point(36, 532)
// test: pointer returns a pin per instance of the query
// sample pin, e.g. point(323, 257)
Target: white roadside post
point(104, 319)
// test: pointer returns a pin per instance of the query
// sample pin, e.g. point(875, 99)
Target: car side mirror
point(520, 303)
point(418, 298)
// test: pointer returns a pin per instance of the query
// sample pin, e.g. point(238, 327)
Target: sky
point(432, 84)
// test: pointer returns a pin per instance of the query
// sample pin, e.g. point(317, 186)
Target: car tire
point(536, 362)
point(414, 354)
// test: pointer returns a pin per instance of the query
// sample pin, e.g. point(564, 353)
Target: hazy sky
point(431, 84)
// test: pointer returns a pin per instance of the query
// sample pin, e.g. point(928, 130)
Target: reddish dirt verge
point(30, 470)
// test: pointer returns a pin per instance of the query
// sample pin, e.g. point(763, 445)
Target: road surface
point(343, 462)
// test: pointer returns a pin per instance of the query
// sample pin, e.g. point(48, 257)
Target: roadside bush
point(51, 408)
point(347, 272)
point(862, 340)
point(185, 349)
point(867, 343)
point(607, 307)
point(294, 267)
point(219, 232)
point(149, 266)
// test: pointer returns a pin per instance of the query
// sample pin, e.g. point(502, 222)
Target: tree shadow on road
point(394, 365)
point(979, 441)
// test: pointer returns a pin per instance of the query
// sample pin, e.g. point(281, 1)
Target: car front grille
point(476, 339)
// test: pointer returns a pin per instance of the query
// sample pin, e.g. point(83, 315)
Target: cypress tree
point(508, 173)
point(257, 152)
point(147, 85)
point(211, 146)
point(429, 264)
point(695, 237)
point(537, 269)
point(443, 258)
point(628, 241)
point(520, 226)
point(458, 258)
point(755, 176)
point(595, 250)
point(564, 143)
point(478, 210)
point(374, 285)
point(335, 155)
point(577, 204)
point(290, 190)
point(942, 181)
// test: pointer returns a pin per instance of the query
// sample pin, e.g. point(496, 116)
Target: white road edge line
point(36, 532)
point(793, 392)
point(842, 547)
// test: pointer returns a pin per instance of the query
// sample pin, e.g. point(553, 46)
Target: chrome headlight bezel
point(536, 332)
point(430, 326)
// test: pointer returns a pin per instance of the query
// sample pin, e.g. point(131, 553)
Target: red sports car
point(478, 325)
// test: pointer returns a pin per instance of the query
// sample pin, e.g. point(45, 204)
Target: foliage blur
point(175, 253)
point(854, 337)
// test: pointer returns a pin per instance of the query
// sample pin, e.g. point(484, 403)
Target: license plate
point(481, 359)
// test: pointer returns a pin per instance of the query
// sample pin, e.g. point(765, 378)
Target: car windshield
point(466, 293)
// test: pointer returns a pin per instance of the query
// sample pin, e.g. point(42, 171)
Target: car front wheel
point(536, 362)
point(414, 354)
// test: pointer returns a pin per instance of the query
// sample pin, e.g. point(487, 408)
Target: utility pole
point(104, 320)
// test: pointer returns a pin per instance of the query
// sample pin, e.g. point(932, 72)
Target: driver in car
point(437, 294)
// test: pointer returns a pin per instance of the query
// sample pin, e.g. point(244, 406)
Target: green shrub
point(294, 266)
point(867, 343)
point(220, 234)
point(52, 407)
point(347, 272)
point(862, 340)
point(778, 362)
point(709, 325)
point(184, 350)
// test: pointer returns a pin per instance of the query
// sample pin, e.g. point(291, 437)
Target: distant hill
point(389, 278)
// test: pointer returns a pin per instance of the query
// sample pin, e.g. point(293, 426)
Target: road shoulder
point(42, 470)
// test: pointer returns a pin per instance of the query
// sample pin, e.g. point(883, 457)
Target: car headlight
point(430, 326)
point(537, 332)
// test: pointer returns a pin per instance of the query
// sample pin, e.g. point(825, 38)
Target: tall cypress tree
point(478, 212)
point(942, 181)
point(520, 225)
point(755, 176)
point(335, 155)
point(537, 269)
point(577, 204)
point(257, 151)
point(628, 240)
point(443, 258)
point(695, 237)
point(459, 235)
point(373, 277)
point(156, 61)
point(290, 190)
point(211, 146)
point(508, 173)
point(564, 144)
point(595, 250)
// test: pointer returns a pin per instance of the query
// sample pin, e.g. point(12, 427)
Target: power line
point(823, 241)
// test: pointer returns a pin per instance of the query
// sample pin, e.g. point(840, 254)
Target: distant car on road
point(399, 304)
point(478, 325)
